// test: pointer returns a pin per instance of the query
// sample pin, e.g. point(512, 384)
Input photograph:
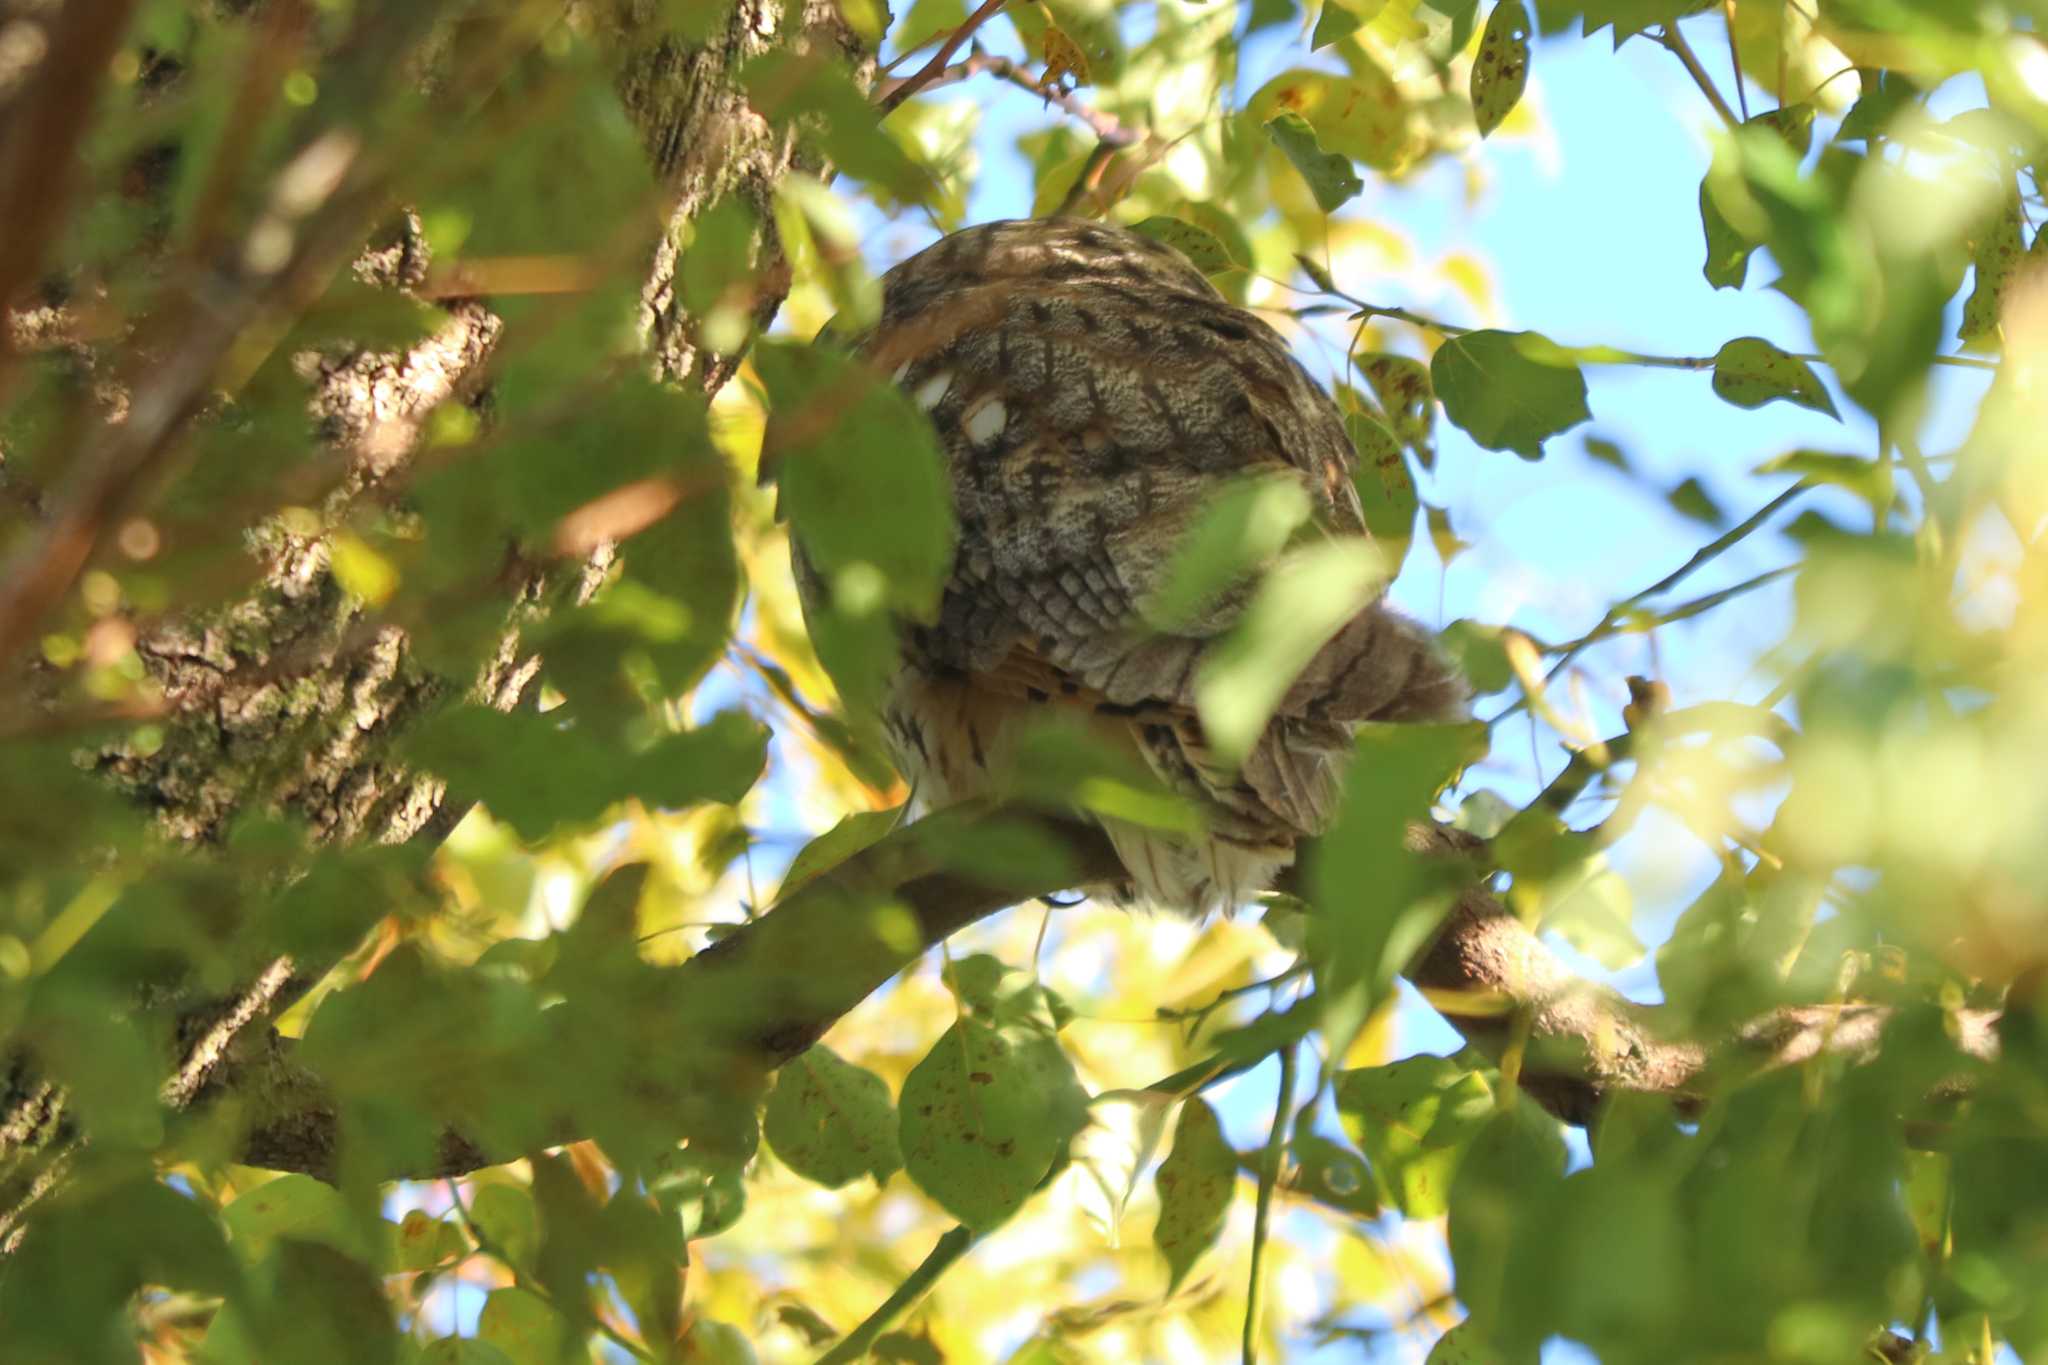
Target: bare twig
point(1672, 39)
point(893, 93)
point(1701, 557)
point(1107, 129)
point(1735, 59)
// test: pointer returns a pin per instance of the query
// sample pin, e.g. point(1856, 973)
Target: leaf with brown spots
point(1501, 69)
point(1401, 383)
point(1749, 372)
point(1413, 1119)
point(1385, 489)
point(1196, 1183)
point(831, 1121)
point(1198, 244)
point(1996, 251)
point(985, 1115)
point(1363, 115)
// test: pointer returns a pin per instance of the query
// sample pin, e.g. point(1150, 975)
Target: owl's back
point(1092, 393)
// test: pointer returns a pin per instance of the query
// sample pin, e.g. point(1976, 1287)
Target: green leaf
point(1728, 250)
point(463, 1351)
point(831, 1121)
point(1335, 1176)
point(1691, 500)
point(717, 1343)
point(1869, 479)
point(925, 20)
point(99, 1239)
point(815, 93)
point(1630, 17)
point(297, 1207)
point(1363, 115)
point(1595, 918)
point(1607, 452)
point(326, 1308)
point(1342, 18)
point(1196, 1183)
point(1505, 1180)
point(498, 758)
point(505, 1214)
point(703, 1191)
point(566, 168)
point(852, 834)
point(1330, 176)
point(1884, 94)
point(525, 1327)
point(1379, 901)
point(1299, 605)
point(1412, 1119)
point(96, 1050)
point(1749, 372)
point(1464, 1345)
point(863, 481)
point(1241, 526)
point(1202, 247)
point(985, 1115)
point(643, 1247)
point(421, 1241)
point(1501, 68)
point(1480, 654)
point(1509, 390)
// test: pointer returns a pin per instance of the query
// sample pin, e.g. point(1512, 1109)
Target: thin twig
point(1088, 180)
point(895, 92)
point(856, 1344)
point(1672, 39)
point(1705, 555)
point(1269, 1176)
point(1106, 127)
point(1684, 610)
point(1735, 59)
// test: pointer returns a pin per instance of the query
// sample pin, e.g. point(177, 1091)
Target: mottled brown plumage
point(1091, 390)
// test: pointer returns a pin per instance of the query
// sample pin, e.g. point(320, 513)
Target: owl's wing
point(1091, 397)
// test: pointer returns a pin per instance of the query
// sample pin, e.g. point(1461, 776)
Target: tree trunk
point(289, 701)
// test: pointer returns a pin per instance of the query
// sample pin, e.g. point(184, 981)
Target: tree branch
point(782, 980)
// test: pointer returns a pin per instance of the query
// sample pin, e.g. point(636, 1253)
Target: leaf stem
point(1705, 555)
point(1599, 354)
point(1675, 42)
point(941, 1258)
point(1269, 1177)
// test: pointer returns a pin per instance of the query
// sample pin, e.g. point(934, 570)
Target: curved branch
point(785, 978)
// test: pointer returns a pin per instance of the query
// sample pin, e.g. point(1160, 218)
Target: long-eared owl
point(1091, 392)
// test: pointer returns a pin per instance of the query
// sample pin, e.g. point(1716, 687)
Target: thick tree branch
point(782, 980)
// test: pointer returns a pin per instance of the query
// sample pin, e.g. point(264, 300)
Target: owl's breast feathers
point(1091, 391)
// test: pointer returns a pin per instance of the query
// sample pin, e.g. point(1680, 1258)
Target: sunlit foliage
point(341, 485)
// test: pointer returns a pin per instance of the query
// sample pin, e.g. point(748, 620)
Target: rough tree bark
point(290, 700)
